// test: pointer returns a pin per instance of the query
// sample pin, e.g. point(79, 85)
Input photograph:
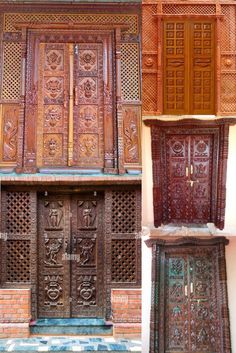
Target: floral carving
point(10, 139)
point(53, 116)
point(88, 118)
point(88, 145)
point(54, 87)
point(52, 145)
point(54, 60)
point(87, 60)
point(178, 148)
point(87, 88)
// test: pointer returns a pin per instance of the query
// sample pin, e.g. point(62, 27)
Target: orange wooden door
point(189, 77)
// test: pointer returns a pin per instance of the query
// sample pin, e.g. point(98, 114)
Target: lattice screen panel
point(228, 92)
point(124, 212)
point(11, 71)
point(18, 213)
point(149, 92)
point(174, 9)
point(130, 71)
point(228, 28)
point(11, 19)
point(18, 261)
point(149, 40)
point(123, 261)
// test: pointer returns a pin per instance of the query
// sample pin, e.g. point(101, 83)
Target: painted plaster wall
point(229, 231)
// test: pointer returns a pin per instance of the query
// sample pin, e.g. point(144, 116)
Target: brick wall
point(15, 312)
point(126, 310)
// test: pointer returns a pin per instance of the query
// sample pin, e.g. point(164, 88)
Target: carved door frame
point(159, 248)
point(110, 38)
point(220, 131)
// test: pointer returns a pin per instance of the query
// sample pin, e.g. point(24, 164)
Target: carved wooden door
point(188, 182)
point(189, 67)
point(70, 263)
point(191, 301)
point(71, 105)
point(87, 247)
point(54, 269)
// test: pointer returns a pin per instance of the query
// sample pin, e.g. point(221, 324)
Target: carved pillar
point(108, 109)
point(31, 110)
point(157, 187)
point(22, 103)
point(218, 60)
point(159, 61)
point(121, 168)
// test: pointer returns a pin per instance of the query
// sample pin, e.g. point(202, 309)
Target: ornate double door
point(190, 304)
point(74, 100)
point(189, 175)
point(70, 260)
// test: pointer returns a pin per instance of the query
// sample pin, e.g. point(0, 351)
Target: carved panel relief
point(54, 269)
point(53, 88)
point(88, 249)
point(88, 112)
point(9, 133)
point(131, 126)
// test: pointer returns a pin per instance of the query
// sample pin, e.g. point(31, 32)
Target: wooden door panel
point(52, 139)
point(202, 67)
point(88, 109)
point(178, 191)
point(204, 324)
point(87, 270)
point(175, 97)
point(201, 162)
point(176, 308)
point(54, 269)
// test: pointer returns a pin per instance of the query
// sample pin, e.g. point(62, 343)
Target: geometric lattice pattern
point(11, 71)
point(130, 71)
point(123, 212)
point(18, 261)
point(11, 19)
point(149, 92)
point(18, 214)
point(189, 9)
point(123, 267)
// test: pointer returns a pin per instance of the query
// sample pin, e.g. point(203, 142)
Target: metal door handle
point(191, 169)
point(186, 172)
point(191, 287)
point(186, 290)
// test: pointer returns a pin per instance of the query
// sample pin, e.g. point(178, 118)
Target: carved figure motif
point(52, 247)
point(86, 251)
point(53, 145)
point(87, 211)
point(88, 119)
point(54, 215)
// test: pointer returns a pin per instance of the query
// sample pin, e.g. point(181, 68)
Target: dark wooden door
point(190, 304)
point(87, 247)
point(188, 182)
point(70, 260)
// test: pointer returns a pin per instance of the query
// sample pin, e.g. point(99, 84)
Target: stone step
point(75, 326)
point(70, 344)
